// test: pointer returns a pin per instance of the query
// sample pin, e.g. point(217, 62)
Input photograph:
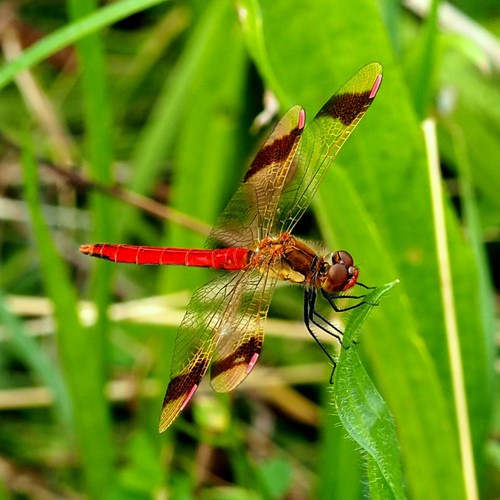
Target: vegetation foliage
point(161, 98)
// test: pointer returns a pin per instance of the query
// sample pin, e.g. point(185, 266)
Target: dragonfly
point(223, 327)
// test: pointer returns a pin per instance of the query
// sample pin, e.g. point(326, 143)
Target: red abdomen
point(230, 259)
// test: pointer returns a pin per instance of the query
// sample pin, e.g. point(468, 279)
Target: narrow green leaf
point(477, 350)
point(361, 409)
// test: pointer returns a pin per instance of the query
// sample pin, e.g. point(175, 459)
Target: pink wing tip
point(302, 121)
point(254, 359)
point(189, 396)
point(376, 86)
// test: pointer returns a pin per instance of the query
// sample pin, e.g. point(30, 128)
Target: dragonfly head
point(342, 273)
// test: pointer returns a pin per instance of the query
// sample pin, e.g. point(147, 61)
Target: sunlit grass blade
point(450, 312)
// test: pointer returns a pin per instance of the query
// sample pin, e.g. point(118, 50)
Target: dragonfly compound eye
point(343, 257)
point(338, 276)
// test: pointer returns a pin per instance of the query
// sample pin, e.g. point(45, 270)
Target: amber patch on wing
point(228, 372)
point(346, 107)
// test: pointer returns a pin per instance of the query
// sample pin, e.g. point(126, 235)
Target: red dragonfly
point(224, 322)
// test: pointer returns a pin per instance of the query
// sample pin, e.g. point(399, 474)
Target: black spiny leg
point(309, 302)
point(315, 317)
point(331, 300)
point(366, 287)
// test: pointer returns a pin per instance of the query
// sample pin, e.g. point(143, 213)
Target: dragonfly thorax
point(286, 258)
point(290, 259)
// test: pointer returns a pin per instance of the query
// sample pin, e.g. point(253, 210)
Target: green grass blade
point(483, 356)
point(210, 155)
point(83, 374)
point(38, 362)
point(97, 119)
point(250, 14)
point(450, 312)
point(72, 33)
point(423, 63)
point(156, 139)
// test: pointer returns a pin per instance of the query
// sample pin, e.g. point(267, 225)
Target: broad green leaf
point(365, 213)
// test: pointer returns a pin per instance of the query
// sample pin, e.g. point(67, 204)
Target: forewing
point(195, 342)
point(322, 140)
point(249, 213)
point(242, 332)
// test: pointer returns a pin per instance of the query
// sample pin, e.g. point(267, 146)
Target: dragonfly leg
point(309, 302)
point(331, 300)
point(315, 317)
point(365, 286)
point(309, 313)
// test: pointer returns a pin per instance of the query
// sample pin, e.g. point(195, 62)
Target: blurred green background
point(161, 98)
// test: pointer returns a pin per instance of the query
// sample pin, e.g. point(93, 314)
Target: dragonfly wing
point(252, 207)
point(322, 140)
point(284, 176)
point(242, 331)
point(196, 340)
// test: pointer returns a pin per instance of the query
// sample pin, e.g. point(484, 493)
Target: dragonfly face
point(224, 322)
